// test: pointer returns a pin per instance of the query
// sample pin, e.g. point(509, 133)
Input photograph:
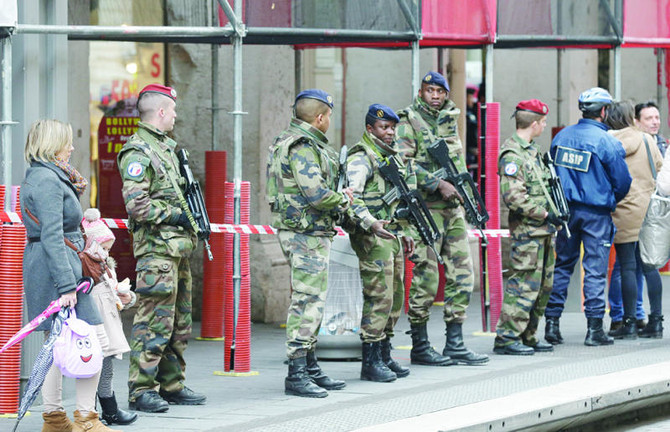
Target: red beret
point(533, 105)
point(161, 89)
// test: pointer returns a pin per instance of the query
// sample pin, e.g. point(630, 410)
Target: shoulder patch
point(511, 168)
point(135, 169)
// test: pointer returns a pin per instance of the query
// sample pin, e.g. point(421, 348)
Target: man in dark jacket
point(591, 165)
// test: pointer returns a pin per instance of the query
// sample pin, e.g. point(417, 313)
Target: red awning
point(646, 23)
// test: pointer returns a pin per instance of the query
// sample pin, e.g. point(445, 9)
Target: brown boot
point(56, 421)
point(90, 423)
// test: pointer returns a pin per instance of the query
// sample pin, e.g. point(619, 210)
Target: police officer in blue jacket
point(591, 166)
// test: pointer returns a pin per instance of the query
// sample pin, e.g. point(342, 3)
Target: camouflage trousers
point(162, 325)
point(308, 257)
point(382, 266)
point(454, 248)
point(528, 288)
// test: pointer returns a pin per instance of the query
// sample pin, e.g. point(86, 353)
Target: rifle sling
point(157, 159)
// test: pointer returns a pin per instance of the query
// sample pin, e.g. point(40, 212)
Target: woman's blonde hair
point(46, 138)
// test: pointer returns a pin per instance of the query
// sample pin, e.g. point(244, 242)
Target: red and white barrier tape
point(231, 228)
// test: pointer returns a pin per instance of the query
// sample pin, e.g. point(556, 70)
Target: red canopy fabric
point(458, 22)
point(646, 23)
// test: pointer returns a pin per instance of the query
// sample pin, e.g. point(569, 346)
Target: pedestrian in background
point(644, 160)
point(432, 116)
point(163, 241)
point(51, 213)
point(302, 177)
point(648, 119)
point(524, 187)
point(591, 166)
point(379, 240)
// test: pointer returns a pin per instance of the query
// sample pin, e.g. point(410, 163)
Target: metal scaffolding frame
point(234, 33)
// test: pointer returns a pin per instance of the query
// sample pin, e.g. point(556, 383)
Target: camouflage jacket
point(146, 162)
point(524, 185)
point(369, 186)
point(419, 127)
point(302, 174)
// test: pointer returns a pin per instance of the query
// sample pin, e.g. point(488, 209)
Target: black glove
point(553, 219)
point(183, 221)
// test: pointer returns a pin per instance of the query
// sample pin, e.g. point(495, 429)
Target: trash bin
point(339, 334)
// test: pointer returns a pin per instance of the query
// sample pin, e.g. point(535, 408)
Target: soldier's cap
point(160, 89)
point(533, 105)
point(435, 78)
point(317, 94)
point(382, 112)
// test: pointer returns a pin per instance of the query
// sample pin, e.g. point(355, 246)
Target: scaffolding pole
point(212, 34)
point(237, 113)
point(6, 123)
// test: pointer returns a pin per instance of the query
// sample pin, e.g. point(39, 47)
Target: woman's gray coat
point(50, 268)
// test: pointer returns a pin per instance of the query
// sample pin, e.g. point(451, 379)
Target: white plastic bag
point(654, 238)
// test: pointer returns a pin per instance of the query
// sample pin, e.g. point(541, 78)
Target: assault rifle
point(196, 203)
point(475, 208)
point(557, 194)
point(412, 206)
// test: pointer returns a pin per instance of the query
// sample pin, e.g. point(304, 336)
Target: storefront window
point(118, 71)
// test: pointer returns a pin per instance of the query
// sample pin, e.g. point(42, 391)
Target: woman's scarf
point(77, 180)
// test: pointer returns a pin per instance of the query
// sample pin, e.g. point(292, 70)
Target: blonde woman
point(51, 211)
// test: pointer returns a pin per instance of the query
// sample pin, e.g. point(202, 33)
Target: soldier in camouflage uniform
point(433, 116)
point(532, 224)
point(163, 240)
point(376, 238)
point(302, 176)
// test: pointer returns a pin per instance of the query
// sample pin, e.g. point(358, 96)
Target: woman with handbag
point(52, 213)
point(643, 159)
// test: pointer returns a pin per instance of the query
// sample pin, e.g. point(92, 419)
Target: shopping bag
point(654, 241)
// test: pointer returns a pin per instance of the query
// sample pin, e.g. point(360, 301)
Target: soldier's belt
point(11, 217)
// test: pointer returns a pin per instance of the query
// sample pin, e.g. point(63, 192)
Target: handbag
point(93, 265)
point(77, 351)
point(654, 238)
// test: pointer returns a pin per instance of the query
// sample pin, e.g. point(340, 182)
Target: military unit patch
point(511, 168)
point(135, 169)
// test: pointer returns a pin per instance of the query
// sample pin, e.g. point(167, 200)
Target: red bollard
point(237, 329)
point(492, 198)
point(11, 297)
point(213, 271)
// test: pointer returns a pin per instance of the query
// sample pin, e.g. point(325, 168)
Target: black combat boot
point(422, 352)
point(298, 382)
point(400, 370)
point(319, 377)
point(149, 401)
point(627, 331)
point(372, 367)
point(552, 332)
point(654, 328)
point(455, 348)
point(595, 335)
point(112, 414)
point(614, 326)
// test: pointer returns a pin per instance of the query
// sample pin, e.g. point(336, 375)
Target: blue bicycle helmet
point(594, 99)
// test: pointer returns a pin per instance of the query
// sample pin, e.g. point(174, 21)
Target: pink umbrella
point(84, 285)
